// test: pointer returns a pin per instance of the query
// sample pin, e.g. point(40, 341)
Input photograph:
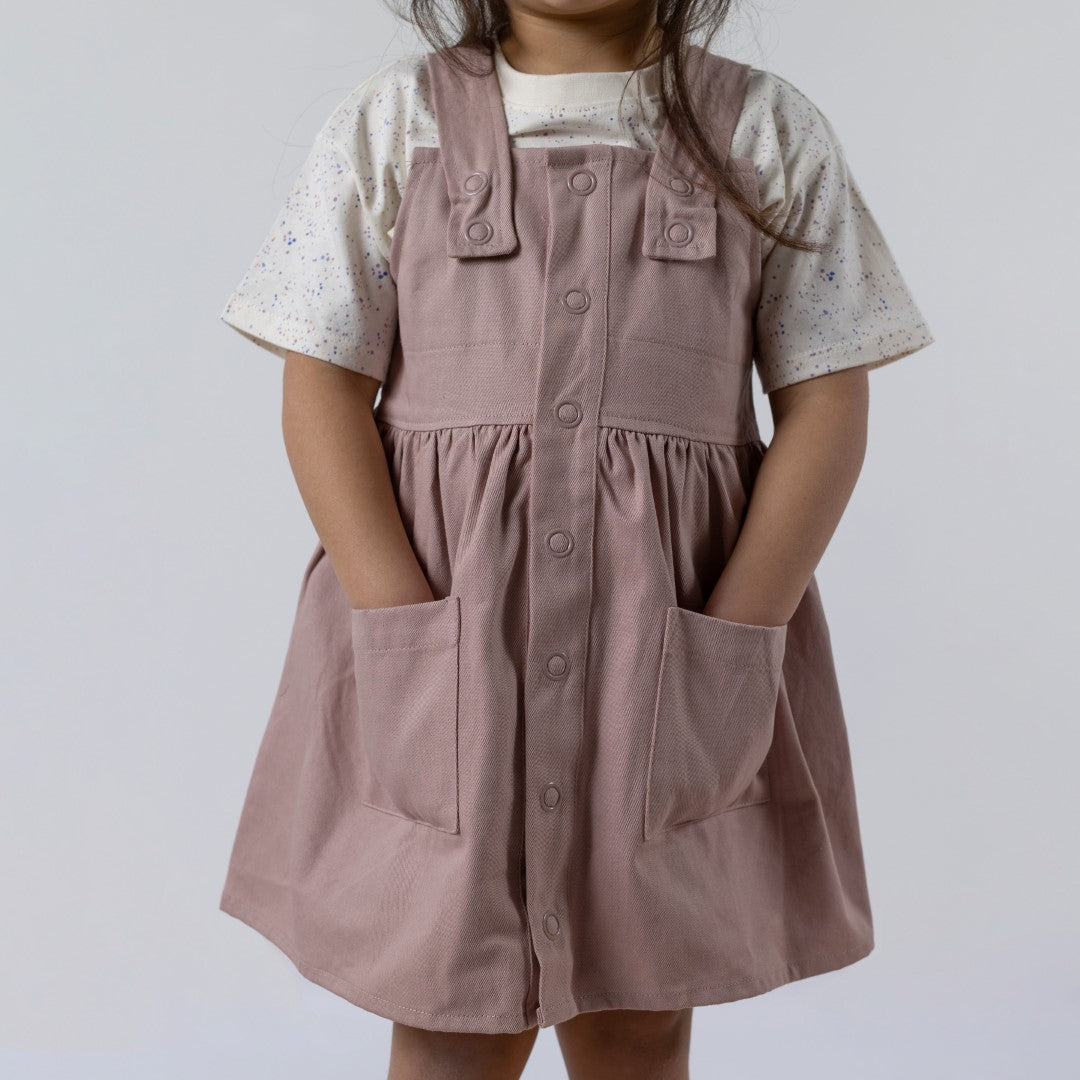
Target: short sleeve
point(846, 306)
point(320, 282)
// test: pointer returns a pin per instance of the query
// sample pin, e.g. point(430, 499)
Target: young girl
point(558, 740)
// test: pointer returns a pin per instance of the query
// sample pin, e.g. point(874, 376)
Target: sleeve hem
point(283, 334)
point(883, 348)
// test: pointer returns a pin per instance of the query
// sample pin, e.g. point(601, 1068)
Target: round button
point(551, 924)
point(476, 182)
point(479, 232)
point(581, 181)
point(680, 233)
point(549, 796)
point(680, 185)
point(568, 413)
point(557, 666)
point(576, 300)
point(559, 543)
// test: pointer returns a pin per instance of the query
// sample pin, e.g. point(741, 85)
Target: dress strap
point(475, 151)
point(680, 211)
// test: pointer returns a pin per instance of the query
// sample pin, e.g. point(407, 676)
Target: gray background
point(154, 540)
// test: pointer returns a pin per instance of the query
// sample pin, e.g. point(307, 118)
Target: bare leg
point(417, 1054)
point(626, 1044)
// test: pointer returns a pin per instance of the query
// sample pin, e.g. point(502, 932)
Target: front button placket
point(564, 454)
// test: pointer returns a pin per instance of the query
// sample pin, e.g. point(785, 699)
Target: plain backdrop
point(153, 541)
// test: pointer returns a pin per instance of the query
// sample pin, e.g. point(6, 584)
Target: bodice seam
point(749, 440)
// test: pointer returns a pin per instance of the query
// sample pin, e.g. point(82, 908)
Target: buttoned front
point(568, 413)
point(559, 786)
point(577, 300)
point(551, 795)
point(557, 665)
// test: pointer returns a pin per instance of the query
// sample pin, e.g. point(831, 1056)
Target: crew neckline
point(572, 87)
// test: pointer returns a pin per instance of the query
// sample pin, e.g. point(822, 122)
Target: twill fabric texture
point(559, 786)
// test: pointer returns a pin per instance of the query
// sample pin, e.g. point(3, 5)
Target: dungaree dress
point(559, 786)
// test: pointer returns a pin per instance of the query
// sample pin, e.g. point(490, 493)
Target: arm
point(802, 488)
point(340, 466)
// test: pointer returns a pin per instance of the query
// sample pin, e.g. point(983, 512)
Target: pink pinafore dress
point(559, 786)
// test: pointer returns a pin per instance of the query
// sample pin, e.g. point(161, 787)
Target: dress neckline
point(475, 150)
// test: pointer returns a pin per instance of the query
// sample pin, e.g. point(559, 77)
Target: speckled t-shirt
point(320, 282)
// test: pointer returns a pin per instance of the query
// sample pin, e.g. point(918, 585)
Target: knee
point(419, 1054)
point(627, 1043)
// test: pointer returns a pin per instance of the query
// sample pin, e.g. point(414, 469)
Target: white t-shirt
point(320, 282)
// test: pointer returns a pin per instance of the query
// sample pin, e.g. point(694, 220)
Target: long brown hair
point(478, 22)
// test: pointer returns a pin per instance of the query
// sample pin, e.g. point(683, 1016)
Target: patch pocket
point(713, 720)
point(405, 660)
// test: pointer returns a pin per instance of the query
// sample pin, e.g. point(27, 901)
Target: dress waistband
point(649, 386)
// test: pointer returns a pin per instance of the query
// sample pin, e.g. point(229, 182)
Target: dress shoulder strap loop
point(475, 152)
point(681, 220)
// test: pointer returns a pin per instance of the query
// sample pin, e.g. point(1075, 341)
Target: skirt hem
point(515, 1022)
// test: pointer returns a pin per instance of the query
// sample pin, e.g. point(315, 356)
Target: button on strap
point(679, 226)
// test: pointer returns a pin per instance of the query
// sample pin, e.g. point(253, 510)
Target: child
point(558, 740)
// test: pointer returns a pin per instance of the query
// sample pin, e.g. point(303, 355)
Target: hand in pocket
point(714, 717)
